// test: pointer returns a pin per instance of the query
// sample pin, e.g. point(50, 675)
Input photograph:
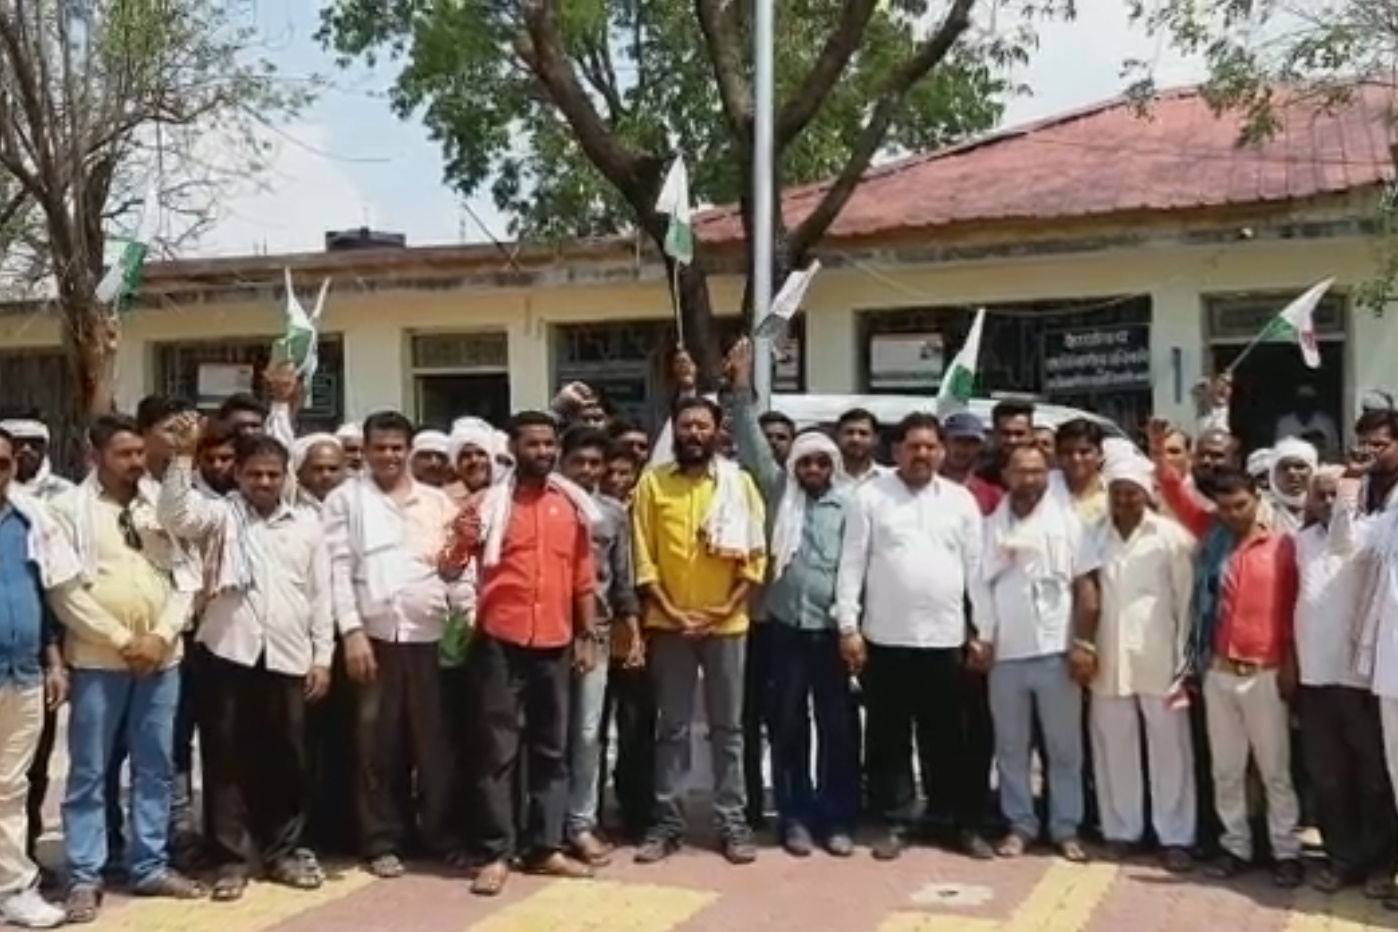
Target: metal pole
point(762, 175)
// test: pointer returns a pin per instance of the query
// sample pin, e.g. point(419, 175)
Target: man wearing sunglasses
point(31, 453)
point(124, 647)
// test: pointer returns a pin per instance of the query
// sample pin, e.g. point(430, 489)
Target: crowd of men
point(403, 643)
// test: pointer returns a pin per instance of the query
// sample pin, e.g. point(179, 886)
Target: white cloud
point(304, 192)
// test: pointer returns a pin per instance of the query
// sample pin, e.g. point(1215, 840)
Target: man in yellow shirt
point(123, 643)
point(699, 545)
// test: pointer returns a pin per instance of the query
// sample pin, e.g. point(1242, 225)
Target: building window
point(1274, 392)
point(207, 371)
point(625, 362)
point(460, 375)
point(1088, 354)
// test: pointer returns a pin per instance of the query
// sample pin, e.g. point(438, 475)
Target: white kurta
point(1146, 584)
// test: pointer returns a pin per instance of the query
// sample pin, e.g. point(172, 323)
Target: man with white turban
point(807, 499)
point(473, 453)
point(1146, 580)
point(1293, 463)
point(318, 463)
point(429, 458)
point(33, 474)
point(351, 437)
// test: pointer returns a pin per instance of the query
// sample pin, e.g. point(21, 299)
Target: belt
point(1240, 667)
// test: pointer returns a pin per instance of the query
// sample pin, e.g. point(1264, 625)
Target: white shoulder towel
point(791, 510)
point(495, 511)
point(376, 532)
point(731, 528)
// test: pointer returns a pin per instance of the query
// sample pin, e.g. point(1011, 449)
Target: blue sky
point(350, 162)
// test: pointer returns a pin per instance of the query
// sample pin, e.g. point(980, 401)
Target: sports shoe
point(29, 910)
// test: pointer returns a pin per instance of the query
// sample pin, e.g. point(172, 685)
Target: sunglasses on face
point(127, 523)
point(6, 464)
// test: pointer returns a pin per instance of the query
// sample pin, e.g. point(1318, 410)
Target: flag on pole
point(959, 380)
point(1295, 324)
point(299, 343)
point(674, 202)
point(123, 277)
point(786, 303)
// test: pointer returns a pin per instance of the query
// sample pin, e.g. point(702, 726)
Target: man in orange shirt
point(535, 623)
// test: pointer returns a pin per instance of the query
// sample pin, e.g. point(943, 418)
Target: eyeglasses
point(6, 464)
point(129, 534)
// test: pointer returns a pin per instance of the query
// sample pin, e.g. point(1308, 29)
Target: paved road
point(926, 891)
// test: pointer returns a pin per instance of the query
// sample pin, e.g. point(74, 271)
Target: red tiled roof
point(1109, 159)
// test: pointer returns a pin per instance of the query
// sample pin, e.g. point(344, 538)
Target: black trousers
point(1342, 742)
point(757, 717)
point(630, 707)
point(979, 729)
point(812, 677)
point(404, 763)
point(252, 723)
point(332, 818)
point(916, 694)
point(186, 724)
point(520, 696)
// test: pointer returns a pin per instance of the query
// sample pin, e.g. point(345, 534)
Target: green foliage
point(1264, 57)
point(649, 73)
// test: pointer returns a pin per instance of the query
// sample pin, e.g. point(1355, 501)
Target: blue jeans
point(1020, 689)
point(812, 676)
point(585, 749)
point(100, 700)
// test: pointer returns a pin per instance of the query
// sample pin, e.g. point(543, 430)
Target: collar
point(1150, 524)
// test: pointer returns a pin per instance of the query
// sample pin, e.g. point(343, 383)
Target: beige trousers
point(1246, 716)
point(21, 721)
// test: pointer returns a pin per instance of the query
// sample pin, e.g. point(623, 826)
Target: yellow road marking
point(1063, 900)
point(262, 907)
point(598, 906)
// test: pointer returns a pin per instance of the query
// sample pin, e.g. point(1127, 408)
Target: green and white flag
point(786, 303)
point(674, 202)
point(1295, 324)
point(123, 277)
point(959, 379)
point(299, 343)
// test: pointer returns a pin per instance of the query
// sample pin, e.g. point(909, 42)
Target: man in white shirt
point(386, 532)
point(1146, 581)
point(1341, 732)
point(912, 543)
point(265, 643)
point(1034, 598)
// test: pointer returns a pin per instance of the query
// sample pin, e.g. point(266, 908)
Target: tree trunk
point(91, 361)
point(697, 322)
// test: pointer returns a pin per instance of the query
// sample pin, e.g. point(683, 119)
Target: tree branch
point(796, 114)
point(871, 138)
point(722, 38)
point(596, 66)
point(541, 48)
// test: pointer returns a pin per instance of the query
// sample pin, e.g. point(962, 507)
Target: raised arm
point(182, 509)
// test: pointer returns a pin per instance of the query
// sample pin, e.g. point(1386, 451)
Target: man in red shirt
point(1242, 647)
point(529, 540)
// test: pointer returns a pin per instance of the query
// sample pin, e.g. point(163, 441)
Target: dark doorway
point(1266, 384)
point(442, 399)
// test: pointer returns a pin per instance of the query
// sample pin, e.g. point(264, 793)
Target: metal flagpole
point(762, 196)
